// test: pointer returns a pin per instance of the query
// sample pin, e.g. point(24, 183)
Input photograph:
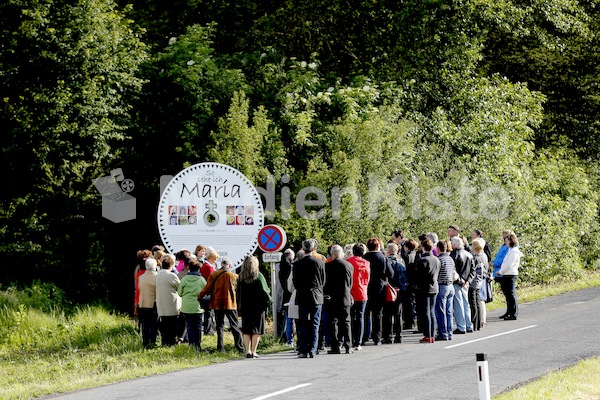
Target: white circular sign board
point(214, 205)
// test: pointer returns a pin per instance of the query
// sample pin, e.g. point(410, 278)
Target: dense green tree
point(67, 72)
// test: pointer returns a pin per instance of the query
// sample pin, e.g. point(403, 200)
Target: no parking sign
point(271, 238)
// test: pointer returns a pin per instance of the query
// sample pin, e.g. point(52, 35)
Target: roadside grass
point(47, 346)
point(581, 382)
point(46, 349)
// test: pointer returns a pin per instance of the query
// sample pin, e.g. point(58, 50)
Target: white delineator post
point(483, 376)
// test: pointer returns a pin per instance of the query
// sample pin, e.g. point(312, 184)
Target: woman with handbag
point(253, 300)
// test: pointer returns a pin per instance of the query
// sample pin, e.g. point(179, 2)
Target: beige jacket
point(147, 287)
point(168, 301)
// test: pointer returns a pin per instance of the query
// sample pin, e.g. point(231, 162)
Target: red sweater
point(206, 270)
point(360, 278)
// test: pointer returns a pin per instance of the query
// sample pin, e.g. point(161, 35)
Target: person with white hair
point(168, 303)
point(463, 262)
point(147, 305)
point(338, 283)
point(308, 276)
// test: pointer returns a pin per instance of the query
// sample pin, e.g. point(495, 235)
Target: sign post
point(271, 239)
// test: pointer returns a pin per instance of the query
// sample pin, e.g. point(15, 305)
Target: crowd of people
point(356, 293)
point(190, 297)
point(374, 291)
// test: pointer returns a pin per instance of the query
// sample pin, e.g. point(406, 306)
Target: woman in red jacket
point(360, 281)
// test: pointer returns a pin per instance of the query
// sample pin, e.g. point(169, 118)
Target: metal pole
point(484, 376)
point(274, 297)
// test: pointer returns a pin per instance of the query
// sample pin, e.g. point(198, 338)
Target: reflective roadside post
point(484, 376)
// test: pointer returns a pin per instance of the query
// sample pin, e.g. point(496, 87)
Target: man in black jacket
point(463, 260)
point(381, 271)
point(427, 269)
point(338, 300)
point(309, 279)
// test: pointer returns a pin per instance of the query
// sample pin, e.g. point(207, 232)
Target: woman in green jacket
point(191, 284)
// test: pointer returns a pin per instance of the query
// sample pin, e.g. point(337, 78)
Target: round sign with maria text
point(214, 205)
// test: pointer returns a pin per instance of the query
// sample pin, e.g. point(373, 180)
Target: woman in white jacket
point(510, 271)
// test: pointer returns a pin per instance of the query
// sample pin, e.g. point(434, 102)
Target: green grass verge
point(581, 382)
point(47, 347)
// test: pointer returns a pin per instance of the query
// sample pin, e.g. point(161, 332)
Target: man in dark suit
point(338, 300)
point(381, 271)
point(309, 280)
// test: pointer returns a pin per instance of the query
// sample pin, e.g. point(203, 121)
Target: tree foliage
point(68, 73)
point(382, 115)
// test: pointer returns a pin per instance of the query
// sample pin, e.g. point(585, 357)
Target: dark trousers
point(339, 326)
point(232, 317)
point(376, 308)
point(168, 329)
point(425, 311)
point(508, 283)
point(193, 325)
point(475, 306)
point(308, 328)
point(408, 305)
point(392, 320)
point(324, 335)
point(209, 318)
point(149, 324)
point(358, 322)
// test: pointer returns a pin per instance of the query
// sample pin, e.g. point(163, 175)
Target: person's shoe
point(386, 341)
point(311, 355)
point(398, 340)
point(503, 316)
point(358, 348)
point(377, 343)
point(431, 340)
point(425, 339)
point(469, 330)
point(303, 355)
point(255, 355)
point(458, 332)
point(334, 352)
point(441, 338)
point(510, 318)
point(248, 355)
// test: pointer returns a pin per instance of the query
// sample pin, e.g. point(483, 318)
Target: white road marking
point(266, 396)
point(490, 337)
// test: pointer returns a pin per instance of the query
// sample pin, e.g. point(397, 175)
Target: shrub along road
point(550, 334)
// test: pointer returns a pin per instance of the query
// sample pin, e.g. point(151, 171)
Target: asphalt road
point(550, 334)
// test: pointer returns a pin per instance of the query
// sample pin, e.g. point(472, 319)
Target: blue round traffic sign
point(271, 238)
